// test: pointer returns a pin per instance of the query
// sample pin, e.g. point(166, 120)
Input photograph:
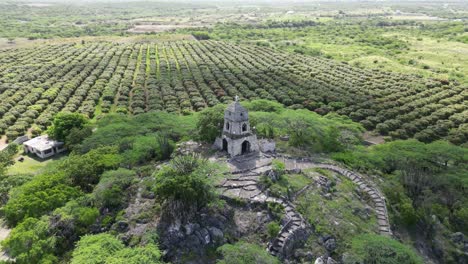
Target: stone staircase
point(294, 231)
point(242, 183)
point(378, 199)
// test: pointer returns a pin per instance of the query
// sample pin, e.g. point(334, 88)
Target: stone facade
point(237, 137)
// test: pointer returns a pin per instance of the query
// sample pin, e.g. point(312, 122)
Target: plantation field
point(183, 76)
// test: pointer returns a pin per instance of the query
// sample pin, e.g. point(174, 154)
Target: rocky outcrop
point(206, 229)
point(244, 185)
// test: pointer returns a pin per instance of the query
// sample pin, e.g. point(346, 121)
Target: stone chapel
point(237, 137)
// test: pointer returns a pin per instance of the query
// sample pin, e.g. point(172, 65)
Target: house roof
point(42, 143)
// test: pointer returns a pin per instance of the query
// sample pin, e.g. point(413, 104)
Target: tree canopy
point(63, 124)
point(105, 248)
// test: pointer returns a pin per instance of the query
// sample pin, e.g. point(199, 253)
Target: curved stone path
point(363, 184)
point(243, 184)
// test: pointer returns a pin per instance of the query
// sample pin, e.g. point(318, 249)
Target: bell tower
point(237, 137)
point(236, 120)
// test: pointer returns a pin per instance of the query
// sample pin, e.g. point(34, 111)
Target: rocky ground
point(243, 213)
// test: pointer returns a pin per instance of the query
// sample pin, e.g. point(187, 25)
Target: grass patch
point(289, 184)
point(341, 216)
point(32, 164)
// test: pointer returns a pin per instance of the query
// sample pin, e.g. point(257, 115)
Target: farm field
point(233, 131)
point(184, 76)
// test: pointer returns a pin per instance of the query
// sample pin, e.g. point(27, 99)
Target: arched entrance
point(245, 147)
point(225, 145)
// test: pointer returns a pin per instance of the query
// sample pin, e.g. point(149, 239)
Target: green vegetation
point(136, 131)
point(243, 252)
point(317, 74)
point(424, 48)
point(432, 175)
point(32, 165)
point(29, 242)
point(186, 180)
point(379, 249)
point(105, 248)
point(108, 192)
point(335, 210)
point(273, 229)
point(41, 195)
point(425, 185)
point(64, 124)
point(307, 130)
point(186, 76)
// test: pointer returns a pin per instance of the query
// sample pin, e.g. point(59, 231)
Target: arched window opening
point(245, 147)
point(227, 126)
point(244, 127)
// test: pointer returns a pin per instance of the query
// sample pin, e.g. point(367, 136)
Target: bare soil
point(3, 143)
point(373, 139)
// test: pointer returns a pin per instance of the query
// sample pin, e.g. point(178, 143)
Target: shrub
point(41, 195)
point(371, 248)
point(105, 248)
point(243, 252)
point(273, 229)
point(186, 180)
point(30, 242)
point(108, 193)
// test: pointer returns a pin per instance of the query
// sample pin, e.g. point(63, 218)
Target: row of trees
point(188, 76)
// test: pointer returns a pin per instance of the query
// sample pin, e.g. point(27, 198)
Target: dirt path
point(3, 143)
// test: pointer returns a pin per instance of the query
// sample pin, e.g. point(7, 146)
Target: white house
point(43, 147)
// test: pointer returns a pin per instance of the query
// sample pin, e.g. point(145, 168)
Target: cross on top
point(237, 98)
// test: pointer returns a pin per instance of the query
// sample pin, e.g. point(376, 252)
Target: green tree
point(245, 253)
point(210, 123)
point(273, 229)
point(30, 242)
point(186, 180)
point(85, 170)
point(106, 249)
point(71, 221)
point(95, 249)
point(63, 124)
point(6, 158)
point(75, 136)
point(137, 255)
point(41, 195)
